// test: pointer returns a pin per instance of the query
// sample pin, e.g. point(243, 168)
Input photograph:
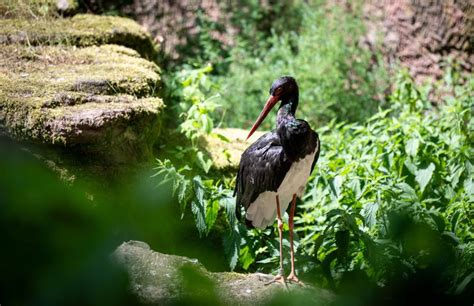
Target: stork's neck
point(288, 106)
point(292, 132)
point(286, 113)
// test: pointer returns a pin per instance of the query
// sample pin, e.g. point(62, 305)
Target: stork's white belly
point(262, 211)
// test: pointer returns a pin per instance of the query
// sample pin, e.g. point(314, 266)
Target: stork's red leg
point(281, 275)
point(280, 233)
point(292, 277)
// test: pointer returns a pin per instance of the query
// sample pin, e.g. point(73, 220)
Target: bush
point(406, 172)
point(389, 202)
point(337, 77)
point(389, 205)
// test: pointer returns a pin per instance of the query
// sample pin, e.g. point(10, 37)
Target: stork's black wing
point(263, 167)
point(298, 140)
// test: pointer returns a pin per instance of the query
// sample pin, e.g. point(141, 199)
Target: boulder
point(37, 8)
point(65, 83)
point(81, 30)
point(225, 146)
point(158, 279)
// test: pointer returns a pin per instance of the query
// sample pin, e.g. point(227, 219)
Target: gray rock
point(162, 279)
point(82, 30)
point(97, 100)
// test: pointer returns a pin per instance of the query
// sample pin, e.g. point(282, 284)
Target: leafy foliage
point(393, 194)
point(195, 187)
point(192, 88)
point(255, 22)
point(202, 46)
point(336, 75)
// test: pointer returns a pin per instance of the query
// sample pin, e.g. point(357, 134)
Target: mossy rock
point(159, 279)
point(225, 146)
point(98, 100)
point(34, 9)
point(81, 30)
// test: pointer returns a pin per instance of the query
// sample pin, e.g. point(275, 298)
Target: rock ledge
point(161, 279)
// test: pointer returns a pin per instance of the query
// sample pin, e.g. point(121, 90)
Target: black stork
point(274, 170)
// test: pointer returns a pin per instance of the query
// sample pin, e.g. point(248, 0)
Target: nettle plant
point(388, 197)
point(392, 195)
point(393, 192)
point(191, 183)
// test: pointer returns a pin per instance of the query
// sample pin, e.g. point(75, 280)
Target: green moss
point(225, 155)
point(35, 72)
point(79, 83)
point(81, 30)
point(34, 9)
point(97, 99)
point(229, 276)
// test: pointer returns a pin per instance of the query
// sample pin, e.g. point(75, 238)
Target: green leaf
point(334, 212)
point(410, 166)
point(220, 136)
point(261, 250)
point(228, 203)
point(423, 176)
point(176, 184)
point(203, 162)
point(184, 193)
point(198, 206)
point(411, 147)
point(246, 257)
point(454, 178)
point(198, 189)
point(451, 237)
point(370, 247)
point(231, 247)
point(460, 288)
point(454, 220)
point(370, 213)
point(336, 185)
point(438, 219)
point(199, 212)
point(318, 243)
point(212, 210)
point(351, 223)
point(183, 190)
point(354, 184)
point(408, 191)
point(268, 260)
point(469, 187)
point(326, 263)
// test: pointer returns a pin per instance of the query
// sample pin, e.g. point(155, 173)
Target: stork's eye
point(278, 91)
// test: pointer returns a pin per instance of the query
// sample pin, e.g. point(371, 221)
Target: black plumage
point(273, 171)
point(264, 164)
point(262, 168)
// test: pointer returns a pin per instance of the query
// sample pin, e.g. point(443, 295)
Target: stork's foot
point(293, 279)
point(278, 279)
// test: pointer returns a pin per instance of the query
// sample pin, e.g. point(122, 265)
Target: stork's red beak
point(272, 100)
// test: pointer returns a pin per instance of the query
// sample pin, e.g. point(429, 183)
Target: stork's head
point(284, 89)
